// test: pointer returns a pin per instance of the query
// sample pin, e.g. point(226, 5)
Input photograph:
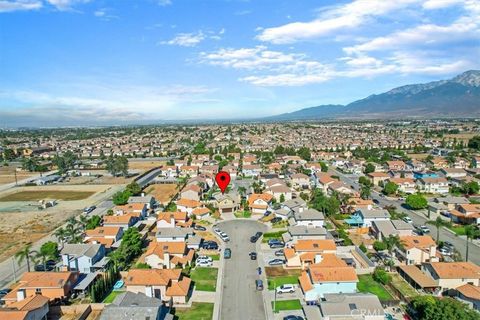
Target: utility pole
point(15, 173)
point(14, 271)
point(275, 295)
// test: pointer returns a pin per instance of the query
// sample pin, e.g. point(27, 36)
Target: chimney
point(21, 294)
point(166, 260)
point(318, 258)
point(300, 209)
point(149, 291)
point(172, 221)
point(143, 194)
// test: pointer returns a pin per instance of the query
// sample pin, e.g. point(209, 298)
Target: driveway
point(240, 300)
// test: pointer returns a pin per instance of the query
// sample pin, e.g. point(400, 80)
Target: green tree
point(471, 187)
point(134, 188)
point(130, 247)
point(416, 201)
point(438, 223)
point(390, 188)
point(369, 168)
point(381, 276)
point(474, 143)
point(427, 307)
point(117, 165)
point(364, 181)
point(9, 154)
point(25, 254)
point(30, 164)
point(282, 198)
point(304, 153)
point(471, 232)
point(323, 166)
point(365, 192)
point(379, 246)
point(93, 222)
point(50, 250)
point(391, 242)
point(120, 198)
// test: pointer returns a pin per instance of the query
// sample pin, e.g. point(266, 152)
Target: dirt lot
point(21, 222)
point(7, 175)
point(163, 193)
point(49, 194)
point(144, 165)
point(279, 271)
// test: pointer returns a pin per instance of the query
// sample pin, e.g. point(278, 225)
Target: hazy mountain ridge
point(457, 97)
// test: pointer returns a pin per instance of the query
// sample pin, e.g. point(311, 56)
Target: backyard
point(287, 305)
point(205, 279)
point(401, 285)
point(367, 284)
point(198, 311)
point(112, 296)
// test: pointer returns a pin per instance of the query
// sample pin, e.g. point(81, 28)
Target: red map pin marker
point(223, 179)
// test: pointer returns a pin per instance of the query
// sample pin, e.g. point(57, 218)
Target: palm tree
point(391, 242)
point(41, 256)
point(25, 254)
point(242, 190)
point(365, 192)
point(471, 232)
point(438, 223)
point(83, 221)
point(61, 235)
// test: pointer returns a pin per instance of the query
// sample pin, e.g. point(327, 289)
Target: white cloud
point(440, 4)
point(164, 3)
point(186, 39)
point(19, 5)
point(66, 4)
point(346, 16)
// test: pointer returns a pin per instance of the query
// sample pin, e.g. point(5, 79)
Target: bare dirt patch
point(163, 193)
point(7, 175)
point(144, 165)
point(279, 272)
point(48, 194)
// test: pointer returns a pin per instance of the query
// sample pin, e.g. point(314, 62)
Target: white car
point(203, 259)
point(216, 230)
point(424, 229)
point(224, 236)
point(204, 263)
point(407, 219)
point(445, 252)
point(285, 288)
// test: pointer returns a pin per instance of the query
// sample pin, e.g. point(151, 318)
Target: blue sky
point(66, 62)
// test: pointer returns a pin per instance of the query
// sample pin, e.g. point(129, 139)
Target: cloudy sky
point(65, 62)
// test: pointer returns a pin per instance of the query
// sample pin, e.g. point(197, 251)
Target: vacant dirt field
point(418, 156)
point(144, 165)
point(49, 194)
point(7, 175)
point(163, 193)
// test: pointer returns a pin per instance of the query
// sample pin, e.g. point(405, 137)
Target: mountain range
point(457, 97)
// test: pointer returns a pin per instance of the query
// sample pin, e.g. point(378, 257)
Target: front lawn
point(367, 284)
point(205, 279)
point(287, 305)
point(273, 235)
point(278, 281)
point(215, 257)
point(243, 214)
point(198, 311)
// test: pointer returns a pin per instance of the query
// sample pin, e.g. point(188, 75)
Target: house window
point(38, 290)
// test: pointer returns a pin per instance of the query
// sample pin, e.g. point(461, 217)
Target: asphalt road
point(240, 300)
point(419, 218)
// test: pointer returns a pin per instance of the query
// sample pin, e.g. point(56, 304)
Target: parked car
point(210, 245)
point(276, 220)
point(376, 201)
point(272, 241)
point(204, 258)
point(255, 237)
point(204, 263)
point(424, 229)
point(292, 317)
point(224, 236)
point(276, 262)
point(216, 230)
point(407, 219)
point(445, 214)
point(253, 255)
point(449, 245)
point(41, 267)
point(279, 253)
point(199, 228)
point(445, 251)
point(277, 245)
point(227, 254)
point(3, 292)
point(285, 288)
point(89, 209)
point(259, 285)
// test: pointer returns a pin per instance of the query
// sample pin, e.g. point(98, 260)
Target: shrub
point(381, 276)
point(379, 246)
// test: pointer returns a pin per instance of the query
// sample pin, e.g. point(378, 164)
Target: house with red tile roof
point(168, 255)
point(26, 308)
point(259, 203)
point(306, 252)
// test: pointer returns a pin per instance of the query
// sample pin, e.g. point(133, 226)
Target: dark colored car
point(276, 220)
point(277, 245)
point(279, 253)
point(253, 255)
point(199, 228)
point(227, 254)
point(210, 245)
point(259, 285)
point(41, 267)
point(89, 209)
point(276, 262)
point(255, 237)
point(292, 317)
point(273, 241)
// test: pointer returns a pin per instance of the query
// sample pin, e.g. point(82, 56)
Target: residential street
point(240, 300)
point(419, 218)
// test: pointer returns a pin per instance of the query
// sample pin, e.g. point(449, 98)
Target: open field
point(7, 175)
point(163, 193)
point(48, 194)
point(144, 165)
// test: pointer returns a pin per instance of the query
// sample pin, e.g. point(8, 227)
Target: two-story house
point(84, 258)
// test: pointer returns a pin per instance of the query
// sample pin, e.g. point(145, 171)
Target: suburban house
point(324, 181)
point(145, 308)
point(300, 181)
point(451, 275)
point(309, 217)
point(470, 295)
point(52, 285)
point(232, 170)
point(191, 171)
point(164, 284)
point(149, 201)
point(350, 306)
point(381, 229)
point(173, 219)
point(191, 192)
point(123, 221)
point(26, 308)
point(84, 258)
point(417, 249)
point(396, 165)
point(364, 218)
point(357, 203)
point(453, 172)
point(168, 255)
point(251, 170)
point(278, 191)
point(433, 185)
point(306, 252)
point(295, 205)
point(227, 203)
point(103, 235)
point(201, 213)
point(138, 208)
point(296, 233)
point(187, 205)
point(405, 185)
point(466, 213)
point(452, 202)
point(173, 234)
point(377, 177)
point(259, 203)
point(330, 275)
